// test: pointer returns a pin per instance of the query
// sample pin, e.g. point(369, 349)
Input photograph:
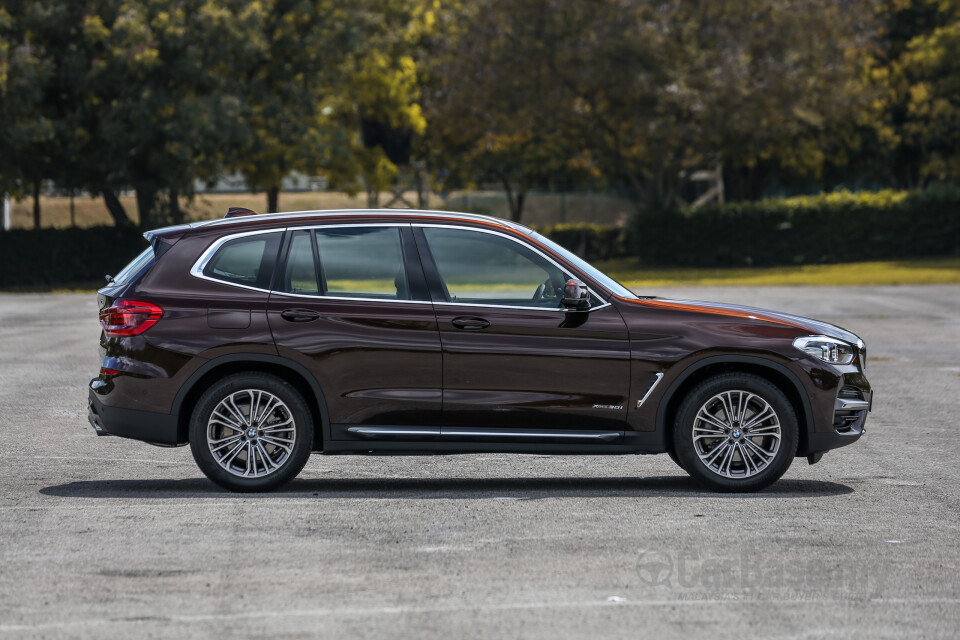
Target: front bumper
point(850, 417)
point(155, 428)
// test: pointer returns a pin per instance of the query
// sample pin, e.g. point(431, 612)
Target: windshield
point(587, 268)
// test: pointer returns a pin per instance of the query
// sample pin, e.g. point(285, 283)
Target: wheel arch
point(292, 372)
point(776, 373)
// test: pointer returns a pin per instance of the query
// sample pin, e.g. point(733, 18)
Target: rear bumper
point(155, 428)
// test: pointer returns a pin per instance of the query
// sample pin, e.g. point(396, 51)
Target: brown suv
point(261, 338)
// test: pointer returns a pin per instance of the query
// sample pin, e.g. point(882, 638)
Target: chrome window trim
point(201, 263)
point(323, 297)
point(197, 269)
point(536, 250)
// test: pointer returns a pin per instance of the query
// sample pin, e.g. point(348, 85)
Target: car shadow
point(442, 489)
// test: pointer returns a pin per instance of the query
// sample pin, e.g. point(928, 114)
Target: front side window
point(362, 262)
point(488, 269)
point(247, 260)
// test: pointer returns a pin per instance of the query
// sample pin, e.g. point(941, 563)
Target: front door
point(361, 323)
point(513, 357)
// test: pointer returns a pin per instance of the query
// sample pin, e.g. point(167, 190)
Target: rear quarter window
point(247, 261)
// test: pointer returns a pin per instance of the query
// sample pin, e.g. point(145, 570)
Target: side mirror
point(576, 297)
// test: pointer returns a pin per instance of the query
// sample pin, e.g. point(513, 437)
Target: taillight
point(129, 318)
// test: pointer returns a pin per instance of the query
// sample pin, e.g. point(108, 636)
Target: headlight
point(827, 349)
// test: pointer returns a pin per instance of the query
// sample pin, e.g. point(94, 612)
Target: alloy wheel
point(251, 433)
point(736, 434)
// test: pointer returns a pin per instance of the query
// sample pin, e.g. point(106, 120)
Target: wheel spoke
point(227, 421)
point(280, 426)
point(268, 462)
point(765, 455)
point(765, 414)
point(727, 406)
point(709, 419)
point(285, 444)
point(217, 445)
point(230, 404)
point(233, 453)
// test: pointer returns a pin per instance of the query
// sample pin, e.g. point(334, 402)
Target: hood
point(815, 327)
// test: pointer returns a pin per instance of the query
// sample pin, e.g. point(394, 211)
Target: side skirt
point(393, 440)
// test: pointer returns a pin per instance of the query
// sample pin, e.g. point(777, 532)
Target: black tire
point(739, 476)
point(271, 445)
point(673, 456)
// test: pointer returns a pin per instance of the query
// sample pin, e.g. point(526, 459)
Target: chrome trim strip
point(319, 298)
point(197, 269)
point(467, 432)
point(507, 306)
point(394, 433)
point(657, 378)
point(844, 404)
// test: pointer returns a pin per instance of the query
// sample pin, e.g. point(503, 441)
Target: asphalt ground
point(110, 538)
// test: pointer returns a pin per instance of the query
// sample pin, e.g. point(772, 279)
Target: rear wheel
point(251, 432)
point(736, 432)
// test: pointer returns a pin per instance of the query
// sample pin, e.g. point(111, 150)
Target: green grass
point(920, 271)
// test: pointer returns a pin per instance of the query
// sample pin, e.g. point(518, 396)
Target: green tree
point(26, 128)
point(494, 101)
point(916, 65)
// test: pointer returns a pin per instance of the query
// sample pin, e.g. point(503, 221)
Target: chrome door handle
point(468, 323)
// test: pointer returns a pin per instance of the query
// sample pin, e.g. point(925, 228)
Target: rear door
point(513, 357)
point(351, 305)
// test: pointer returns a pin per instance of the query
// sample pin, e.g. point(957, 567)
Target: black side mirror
point(576, 297)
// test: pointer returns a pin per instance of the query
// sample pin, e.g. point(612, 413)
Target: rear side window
point(246, 261)
point(362, 262)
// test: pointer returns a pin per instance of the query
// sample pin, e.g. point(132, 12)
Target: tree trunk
point(273, 199)
point(521, 199)
point(373, 198)
point(117, 212)
point(73, 211)
point(176, 213)
point(36, 204)
point(146, 201)
point(516, 203)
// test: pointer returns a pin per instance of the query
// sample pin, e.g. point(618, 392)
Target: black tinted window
point(362, 262)
point(484, 268)
point(248, 261)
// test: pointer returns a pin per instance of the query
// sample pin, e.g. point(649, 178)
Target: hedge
point(835, 227)
point(590, 241)
point(48, 258)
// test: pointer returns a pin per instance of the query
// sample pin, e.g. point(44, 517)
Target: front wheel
point(251, 432)
point(736, 432)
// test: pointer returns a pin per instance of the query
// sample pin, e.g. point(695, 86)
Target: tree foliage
point(151, 96)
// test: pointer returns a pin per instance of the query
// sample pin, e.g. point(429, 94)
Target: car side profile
point(258, 339)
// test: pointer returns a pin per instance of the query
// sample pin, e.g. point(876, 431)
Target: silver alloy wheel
point(736, 434)
point(251, 433)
